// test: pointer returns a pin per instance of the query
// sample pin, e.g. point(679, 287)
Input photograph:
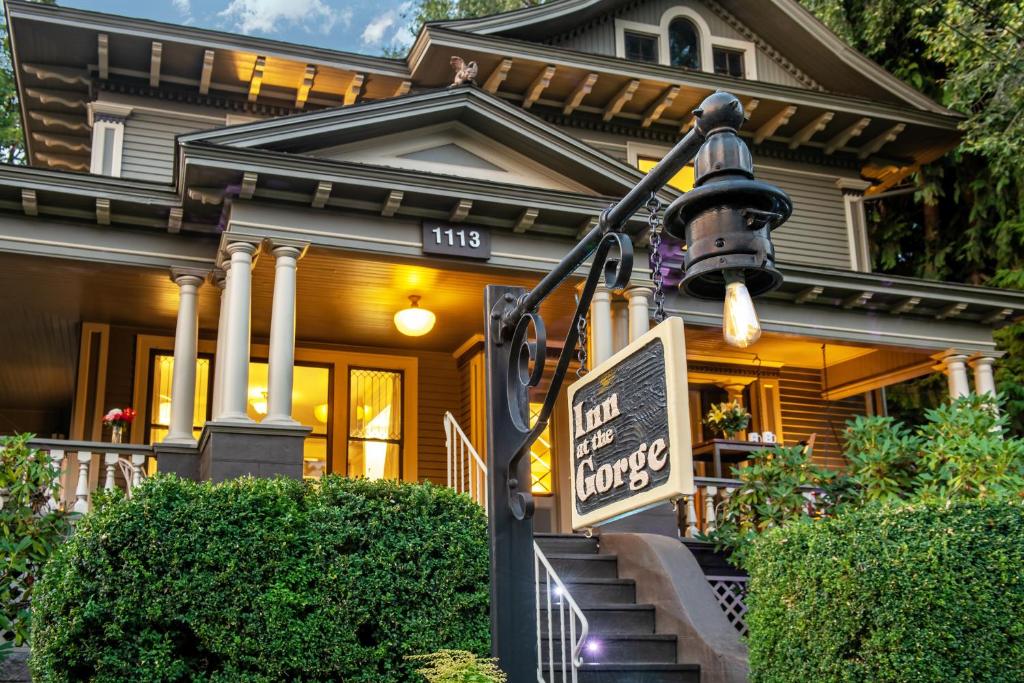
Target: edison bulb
point(740, 326)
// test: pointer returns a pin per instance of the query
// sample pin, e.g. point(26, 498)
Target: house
point(218, 231)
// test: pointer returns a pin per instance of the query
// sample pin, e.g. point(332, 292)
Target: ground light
point(415, 321)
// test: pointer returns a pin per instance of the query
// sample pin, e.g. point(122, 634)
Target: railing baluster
point(561, 632)
point(710, 523)
point(691, 516)
point(109, 462)
point(566, 604)
point(551, 632)
point(138, 460)
point(82, 490)
point(57, 461)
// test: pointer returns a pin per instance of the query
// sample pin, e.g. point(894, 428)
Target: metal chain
point(654, 242)
point(581, 327)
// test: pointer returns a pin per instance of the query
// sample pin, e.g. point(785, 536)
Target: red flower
point(128, 414)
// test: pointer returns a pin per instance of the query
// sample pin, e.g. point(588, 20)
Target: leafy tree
point(12, 143)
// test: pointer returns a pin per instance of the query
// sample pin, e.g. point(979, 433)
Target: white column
point(186, 343)
point(601, 324)
point(984, 378)
point(220, 280)
point(955, 366)
point(620, 324)
point(639, 311)
point(236, 352)
point(282, 336)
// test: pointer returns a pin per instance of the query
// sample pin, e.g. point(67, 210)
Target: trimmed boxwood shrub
point(264, 580)
point(910, 593)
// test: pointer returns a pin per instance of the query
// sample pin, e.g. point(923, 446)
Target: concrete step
point(610, 619)
point(566, 543)
point(572, 567)
point(628, 673)
point(618, 648)
point(587, 592)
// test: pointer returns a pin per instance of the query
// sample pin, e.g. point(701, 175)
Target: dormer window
point(683, 44)
point(729, 62)
point(682, 38)
point(641, 47)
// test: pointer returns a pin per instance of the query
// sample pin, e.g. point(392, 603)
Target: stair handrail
point(565, 598)
point(462, 460)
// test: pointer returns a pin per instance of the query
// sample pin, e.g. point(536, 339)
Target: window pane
point(641, 48)
point(375, 425)
point(729, 63)
point(683, 44)
point(310, 406)
point(682, 181)
point(314, 457)
point(159, 409)
point(540, 456)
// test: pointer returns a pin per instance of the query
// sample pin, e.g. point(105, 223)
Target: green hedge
point(910, 594)
point(264, 580)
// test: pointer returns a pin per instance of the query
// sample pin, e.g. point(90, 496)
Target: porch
point(363, 399)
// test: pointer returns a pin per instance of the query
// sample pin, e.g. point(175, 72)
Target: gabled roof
point(485, 114)
point(785, 24)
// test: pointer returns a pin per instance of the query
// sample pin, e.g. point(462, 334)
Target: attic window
point(683, 44)
point(641, 47)
point(729, 62)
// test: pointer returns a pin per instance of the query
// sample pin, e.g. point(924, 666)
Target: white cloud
point(184, 7)
point(392, 19)
point(267, 16)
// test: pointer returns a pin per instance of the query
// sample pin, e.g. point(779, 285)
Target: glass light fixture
point(258, 400)
point(320, 412)
point(415, 321)
point(740, 325)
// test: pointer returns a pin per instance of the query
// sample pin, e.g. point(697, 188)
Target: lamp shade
point(414, 321)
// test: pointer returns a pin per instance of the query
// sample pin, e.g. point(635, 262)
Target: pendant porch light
point(415, 321)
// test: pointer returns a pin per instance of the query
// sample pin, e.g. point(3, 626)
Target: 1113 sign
point(455, 239)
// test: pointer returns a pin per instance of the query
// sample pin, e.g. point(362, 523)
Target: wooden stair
point(623, 646)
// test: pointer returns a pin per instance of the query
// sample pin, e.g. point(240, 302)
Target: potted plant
point(727, 418)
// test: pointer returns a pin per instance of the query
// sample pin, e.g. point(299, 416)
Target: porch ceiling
point(773, 349)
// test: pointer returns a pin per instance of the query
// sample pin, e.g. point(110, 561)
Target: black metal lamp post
point(726, 222)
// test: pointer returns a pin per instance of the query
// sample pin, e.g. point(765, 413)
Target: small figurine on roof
point(464, 72)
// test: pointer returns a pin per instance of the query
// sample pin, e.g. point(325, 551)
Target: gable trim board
point(707, 41)
point(538, 53)
point(554, 16)
point(487, 115)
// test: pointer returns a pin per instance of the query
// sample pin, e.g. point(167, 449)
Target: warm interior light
point(739, 319)
point(414, 321)
point(320, 413)
point(163, 413)
point(258, 400)
point(376, 452)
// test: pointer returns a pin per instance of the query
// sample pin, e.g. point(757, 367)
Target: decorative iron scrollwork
point(612, 261)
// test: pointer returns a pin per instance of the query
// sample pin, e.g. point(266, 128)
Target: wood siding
point(817, 233)
point(805, 412)
point(148, 152)
point(439, 390)
point(598, 37)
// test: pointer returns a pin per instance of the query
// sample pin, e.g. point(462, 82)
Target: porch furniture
point(730, 451)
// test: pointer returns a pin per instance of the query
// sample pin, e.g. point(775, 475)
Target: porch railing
point(75, 458)
point(467, 472)
point(564, 646)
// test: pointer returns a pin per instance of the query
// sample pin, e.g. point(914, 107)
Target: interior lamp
point(726, 221)
point(415, 321)
point(321, 413)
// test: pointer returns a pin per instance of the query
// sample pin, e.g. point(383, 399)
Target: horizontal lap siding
point(805, 412)
point(148, 152)
point(439, 390)
point(816, 234)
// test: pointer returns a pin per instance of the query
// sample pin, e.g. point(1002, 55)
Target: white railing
point(704, 507)
point(75, 458)
point(556, 594)
point(467, 472)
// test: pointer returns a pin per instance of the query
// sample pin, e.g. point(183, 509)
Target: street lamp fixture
point(726, 221)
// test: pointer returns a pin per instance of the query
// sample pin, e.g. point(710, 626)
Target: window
point(641, 47)
point(728, 62)
point(542, 481)
point(682, 181)
point(375, 423)
point(158, 410)
point(310, 406)
point(683, 44)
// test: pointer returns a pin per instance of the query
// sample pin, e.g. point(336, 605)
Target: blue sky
point(351, 25)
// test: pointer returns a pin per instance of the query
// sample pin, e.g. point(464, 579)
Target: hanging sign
point(456, 239)
point(630, 429)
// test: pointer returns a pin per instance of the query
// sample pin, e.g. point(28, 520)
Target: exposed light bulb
point(740, 326)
